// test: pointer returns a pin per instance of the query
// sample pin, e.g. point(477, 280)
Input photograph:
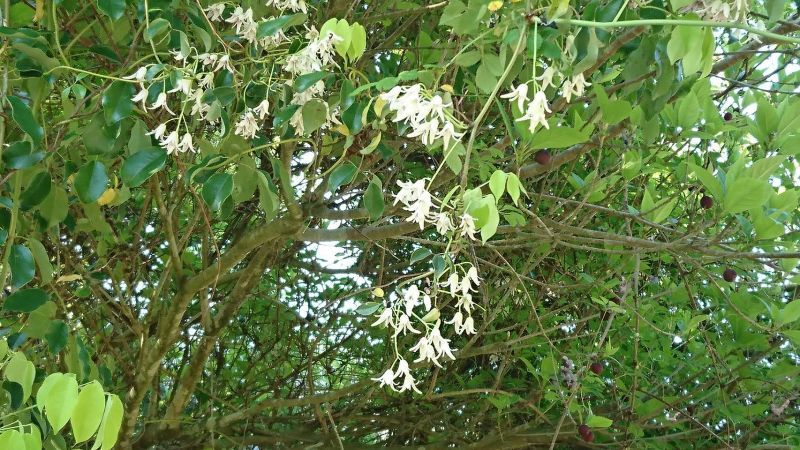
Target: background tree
point(462, 224)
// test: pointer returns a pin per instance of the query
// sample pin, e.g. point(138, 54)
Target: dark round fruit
point(617, 300)
point(596, 367)
point(584, 429)
point(589, 437)
point(706, 202)
point(728, 116)
point(542, 157)
point(729, 275)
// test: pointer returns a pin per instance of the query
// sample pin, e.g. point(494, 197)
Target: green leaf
point(57, 397)
point(23, 116)
point(497, 183)
point(20, 155)
point(140, 166)
point(88, 411)
point(708, 179)
point(33, 440)
point(36, 191)
point(116, 101)
point(373, 199)
point(12, 440)
point(789, 314)
point(315, 114)
point(485, 79)
point(341, 175)
point(468, 59)
point(109, 427)
point(23, 267)
point(558, 138)
point(42, 260)
point(14, 391)
point(514, 187)
point(112, 8)
point(55, 207)
point(25, 300)
point(746, 193)
point(305, 81)
point(272, 26)
point(157, 27)
point(216, 189)
point(368, 308)
point(599, 422)
point(56, 336)
point(420, 254)
point(358, 42)
point(91, 181)
point(351, 117)
point(631, 164)
point(21, 371)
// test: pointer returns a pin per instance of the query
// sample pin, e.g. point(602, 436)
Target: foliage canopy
point(345, 224)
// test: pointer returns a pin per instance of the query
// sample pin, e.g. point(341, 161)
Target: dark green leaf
point(36, 191)
point(112, 8)
point(420, 254)
point(23, 266)
point(216, 189)
point(156, 28)
point(142, 165)
point(117, 103)
point(25, 300)
point(20, 155)
point(91, 181)
point(57, 336)
point(15, 392)
point(341, 175)
point(284, 115)
point(305, 81)
point(351, 117)
point(272, 26)
point(23, 116)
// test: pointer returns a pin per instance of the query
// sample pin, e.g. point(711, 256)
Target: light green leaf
point(708, 179)
point(746, 193)
point(109, 427)
point(599, 422)
point(21, 371)
point(514, 187)
point(497, 183)
point(12, 440)
point(558, 138)
point(42, 260)
point(57, 398)
point(88, 412)
point(789, 313)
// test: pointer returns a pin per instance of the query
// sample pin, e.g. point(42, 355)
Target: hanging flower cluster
point(722, 10)
point(417, 200)
point(426, 114)
point(416, 313)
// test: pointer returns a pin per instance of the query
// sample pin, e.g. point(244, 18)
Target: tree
point(462, 224)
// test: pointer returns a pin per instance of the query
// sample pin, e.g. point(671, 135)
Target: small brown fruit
point(584, 430)
point(706, 202)
point(596, 367)
point(542, 157)
point(728, 116)
point(729, 275)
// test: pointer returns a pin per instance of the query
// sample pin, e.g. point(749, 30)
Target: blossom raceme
point(426, 114)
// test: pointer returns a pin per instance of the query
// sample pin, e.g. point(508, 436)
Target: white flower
point(439, 343)
point(546, 78)
point(247, 126)
point(469, 326)
point(159, 131)
point(224, 63)
point(409, 191)
point(466, 303)
point(207, 59)
point(411, 298)
point(408, 379)
point(293, 5)
point(262, 109)
point(519, 95)
point(536, 112)
point(139, 75)
point(206, 80)
point(575, 86)
point(214, 12)
point(452, 283)
point(436, 107)
point(420, 210)
point(426, 301)
point(429, 131)
point(385, 318)
point(297, 122)
point(161, 102)
point(186, 144)
point(184, 85)
point(239, 18)
point(170, 142)
point(426, 351)
point(249, 31)
point(458, 322)
point(467, 226)
point(448, 133)
point(466, 286)
point(387, 379)
point(472, 274)
point(443, 223)
point(404, 325)
point(140, 96)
